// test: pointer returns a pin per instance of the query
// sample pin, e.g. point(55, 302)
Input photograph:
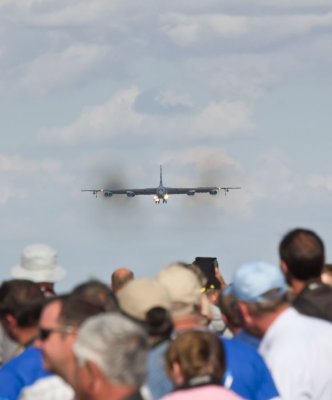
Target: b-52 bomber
point(161, 192)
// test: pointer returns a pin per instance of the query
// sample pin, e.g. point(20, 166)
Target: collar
point(25, 345)
point(313, 285)
point(29, 342)
point(200, 380)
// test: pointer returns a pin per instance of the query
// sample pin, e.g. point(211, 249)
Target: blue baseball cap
point(253, 279)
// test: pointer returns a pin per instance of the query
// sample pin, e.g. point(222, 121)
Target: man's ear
point(10, 323)
point(94, 378)
point(284, 268)
point(10, 320)
point(244, 311)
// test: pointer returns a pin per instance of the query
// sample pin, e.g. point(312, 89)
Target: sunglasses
point(45, 333)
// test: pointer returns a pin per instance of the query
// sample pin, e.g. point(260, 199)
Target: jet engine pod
point(108, 193)
point(213, 192)
point(191, 192)
point(130, 193)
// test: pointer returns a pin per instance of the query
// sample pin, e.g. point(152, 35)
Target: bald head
point(120, 277)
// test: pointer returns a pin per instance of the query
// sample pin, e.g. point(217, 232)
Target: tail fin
point(161, 176)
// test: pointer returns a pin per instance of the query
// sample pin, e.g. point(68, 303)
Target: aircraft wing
point(192, 190)
point(111, 191)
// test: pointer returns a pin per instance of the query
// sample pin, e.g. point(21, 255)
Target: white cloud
point(197, 30)
point(7, 193)
point(271, 179)
point(23, 166)
point(51, 13)
point(316, 181)
point(15, 170)
point(236, 75)
point(115, 117)
point(54, 70)
point(204, 158)
point(118, 117)
point(168, 97)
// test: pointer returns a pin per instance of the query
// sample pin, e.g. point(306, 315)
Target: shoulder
point(50, 384)
point(21, 371)
point(208, 391)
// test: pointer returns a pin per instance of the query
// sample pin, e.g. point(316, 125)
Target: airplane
point(161, 192)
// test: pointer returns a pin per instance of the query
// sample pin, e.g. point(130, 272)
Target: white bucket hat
point(39, 264)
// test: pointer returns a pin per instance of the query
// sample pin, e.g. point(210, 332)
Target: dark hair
point(159, 322)
point(97, 292)
point(22, 299)
point(197, 353)
point(303, 252)
point(75, 309)
point(228, 306)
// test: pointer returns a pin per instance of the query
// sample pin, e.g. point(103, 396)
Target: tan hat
point(183, 286)
point(39, 264)
point(140, 295)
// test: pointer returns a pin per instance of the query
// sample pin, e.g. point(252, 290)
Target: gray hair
point(117, 345)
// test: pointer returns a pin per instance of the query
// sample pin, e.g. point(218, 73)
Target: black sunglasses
point(45, 333)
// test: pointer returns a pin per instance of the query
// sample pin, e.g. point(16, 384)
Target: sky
point(225, 93)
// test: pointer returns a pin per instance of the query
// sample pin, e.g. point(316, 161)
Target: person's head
point(183, 287)
point(302, 255)
point(58, 327)
point(194, 353)
point(261, 293)
point(39, 264)
point(327, 274)
point(119, 278)
point(230, 311)
point(21, 302)
point(111, 352)
point(97, 292)
point(148, 301)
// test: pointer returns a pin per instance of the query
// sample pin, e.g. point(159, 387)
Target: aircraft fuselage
point(161, 194)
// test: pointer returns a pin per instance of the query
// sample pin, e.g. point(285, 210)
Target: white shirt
point(48, 388)
point(298, 351)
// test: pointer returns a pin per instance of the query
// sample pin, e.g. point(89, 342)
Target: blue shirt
point(157, 380)
point(248, 339)
point(22, 370)
point(246, 372)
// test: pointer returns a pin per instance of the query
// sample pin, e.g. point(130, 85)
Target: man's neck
point(68, 370)
point(116, 392)
point(271, 317)
point(298, 285)
point(24, 336)
point(189, 321)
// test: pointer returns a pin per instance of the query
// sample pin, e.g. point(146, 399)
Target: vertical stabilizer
point(161, 176)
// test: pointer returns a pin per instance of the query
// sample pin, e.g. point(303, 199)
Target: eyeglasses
point(45, 333)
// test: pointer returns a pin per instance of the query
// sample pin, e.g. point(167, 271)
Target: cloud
point(211, 166)
point(204, 158)
point(6, 193)
point(21, 176)
point(52, 13)
point(252, 31)
point(54, 70)
point(118, 117)
point(16, 164)
point(316, 181)
point(272, 180)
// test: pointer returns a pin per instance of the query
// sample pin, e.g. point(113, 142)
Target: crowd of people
point(184, 334)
